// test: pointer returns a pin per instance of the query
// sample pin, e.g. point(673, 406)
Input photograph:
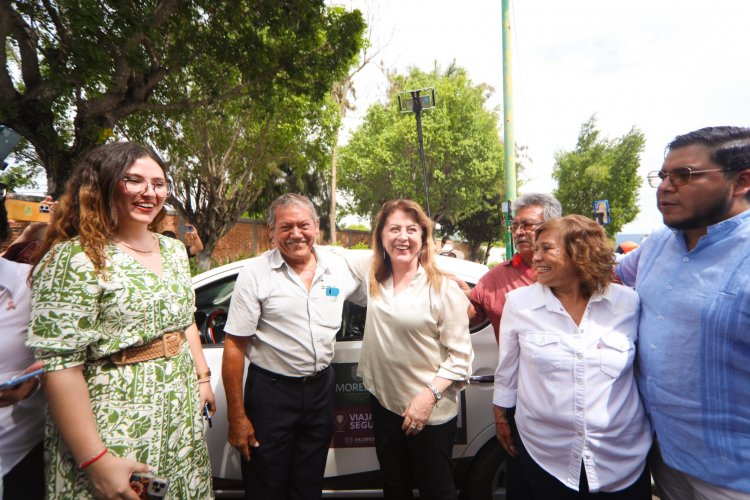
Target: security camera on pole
point(414, 102)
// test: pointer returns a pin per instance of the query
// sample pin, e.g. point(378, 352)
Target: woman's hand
point(502, 431)
point(207, 396)
point(417, 412)
point(110, 477)
point(23, 390)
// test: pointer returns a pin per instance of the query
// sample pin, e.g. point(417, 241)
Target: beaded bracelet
point(204, 380)
point(92, 459)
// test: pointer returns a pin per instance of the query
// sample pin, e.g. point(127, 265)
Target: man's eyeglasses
point(677, 177)
point(526, 226)
point(139, 185)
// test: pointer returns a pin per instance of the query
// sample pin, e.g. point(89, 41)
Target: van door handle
point(482, 379)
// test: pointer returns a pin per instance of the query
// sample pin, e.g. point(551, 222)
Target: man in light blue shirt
point(694, 336)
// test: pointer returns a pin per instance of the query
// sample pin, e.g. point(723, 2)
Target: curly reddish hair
point(589, 249)
point(87, 209)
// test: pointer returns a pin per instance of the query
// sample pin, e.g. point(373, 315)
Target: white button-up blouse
point(573, 385)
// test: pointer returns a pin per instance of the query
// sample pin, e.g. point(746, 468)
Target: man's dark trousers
point(293, 421)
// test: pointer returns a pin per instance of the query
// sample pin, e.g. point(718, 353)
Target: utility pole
point(509, 142)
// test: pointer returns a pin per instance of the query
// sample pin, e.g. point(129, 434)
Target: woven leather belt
point(166, 346)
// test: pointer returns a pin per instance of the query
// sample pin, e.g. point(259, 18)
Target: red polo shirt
point(488, 296)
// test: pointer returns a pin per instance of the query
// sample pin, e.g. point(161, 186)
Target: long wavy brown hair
point(87, 208)
point(381, 265)
point(589, 249)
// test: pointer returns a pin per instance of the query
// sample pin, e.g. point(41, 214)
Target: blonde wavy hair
point(381, 264)
point(87, 209)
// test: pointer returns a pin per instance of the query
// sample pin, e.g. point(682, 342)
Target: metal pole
point(509, 142)
point(418, 113)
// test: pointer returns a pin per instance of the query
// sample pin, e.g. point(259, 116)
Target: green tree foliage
point(235, 157)
point(600, 169)
point(463, 151)
point(484, 228)
point(74, 69)
point(25, 171)
point(18, 177)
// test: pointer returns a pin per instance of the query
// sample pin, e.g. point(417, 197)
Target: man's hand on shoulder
point(461, 284)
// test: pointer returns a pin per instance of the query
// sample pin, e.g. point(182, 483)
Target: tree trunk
point(332, 209)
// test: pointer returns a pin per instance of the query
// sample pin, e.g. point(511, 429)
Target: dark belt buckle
point(308, 379)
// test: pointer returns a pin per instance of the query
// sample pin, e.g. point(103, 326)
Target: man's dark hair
point(729, 146)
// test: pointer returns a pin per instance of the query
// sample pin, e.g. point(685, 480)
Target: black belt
point(307, 379)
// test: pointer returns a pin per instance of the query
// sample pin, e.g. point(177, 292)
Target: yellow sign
point(27, 210)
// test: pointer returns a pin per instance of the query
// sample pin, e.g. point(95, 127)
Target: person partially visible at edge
point(447, 248)
point(193, 243)
point(112, 318)
point(24, 247)
point(567, 347)
point(22, 407)
point(415, 311)
point(488, 299)
point(285, 312)
point(694, 347)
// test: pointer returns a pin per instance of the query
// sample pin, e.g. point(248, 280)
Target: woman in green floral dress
point(107, 283)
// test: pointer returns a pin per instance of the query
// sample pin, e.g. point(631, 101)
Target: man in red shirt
point(488, 297)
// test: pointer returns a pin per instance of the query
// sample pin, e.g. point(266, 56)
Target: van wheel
point(486, 477)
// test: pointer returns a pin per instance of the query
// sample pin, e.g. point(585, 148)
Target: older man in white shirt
point(285, 311)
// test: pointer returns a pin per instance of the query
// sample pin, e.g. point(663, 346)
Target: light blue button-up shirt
point(693, 365)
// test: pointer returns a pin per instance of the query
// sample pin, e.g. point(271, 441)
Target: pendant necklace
point(135, 249)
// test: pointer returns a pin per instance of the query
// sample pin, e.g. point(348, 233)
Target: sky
point(666, 67)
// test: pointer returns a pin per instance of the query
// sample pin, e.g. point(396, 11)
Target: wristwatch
point(435, 393)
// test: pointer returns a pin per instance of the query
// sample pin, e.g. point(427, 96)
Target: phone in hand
point(147, 486)
point(207, 413)
point(20, 379)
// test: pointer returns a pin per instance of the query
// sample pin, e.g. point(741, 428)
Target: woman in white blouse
point(416, 354)
point(22, 406)
point(567, 345)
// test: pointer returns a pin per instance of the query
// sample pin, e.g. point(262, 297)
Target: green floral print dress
point(146, 411)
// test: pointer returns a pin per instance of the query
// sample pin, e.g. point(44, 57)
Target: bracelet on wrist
point(203, 375)
point(204, 380)
point(92, 459)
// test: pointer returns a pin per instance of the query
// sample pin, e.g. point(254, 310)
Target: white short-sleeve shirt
point(292, 331)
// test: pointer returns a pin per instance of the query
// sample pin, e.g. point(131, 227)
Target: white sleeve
point(245, 308)
point(506, 374)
